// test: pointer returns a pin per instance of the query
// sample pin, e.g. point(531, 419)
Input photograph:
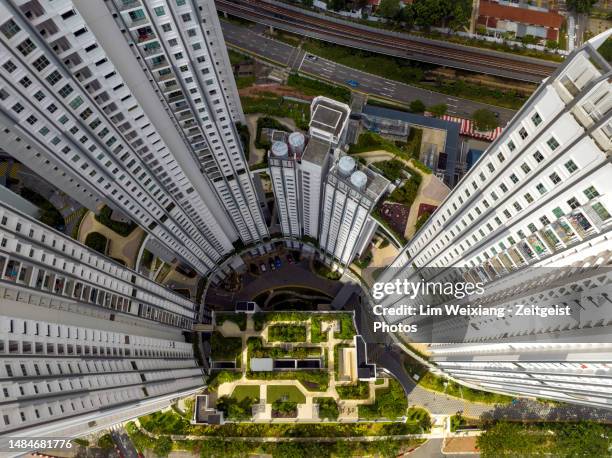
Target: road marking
point(302, 61)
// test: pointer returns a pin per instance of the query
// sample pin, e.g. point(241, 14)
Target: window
point(166, 27)
point(523, 133)
point(552, 143)
point(26, 47)
point(159, 11)
point(9, 66)
point(525, 168)
point(591, 192)
point(511, 146)
point(536, 119)
point(558, 212)
point(180, 2)
point(66, 90)
point(528, 198)
point(601, 211)
point(573, 203)
point(500, 157)
point(17, 108)
point(186, 17)
point(514, 178)
point(571, 166)
point(53, 77)
point(491, 168)
point(39, 96)
point(503, 187)
point(507, 213)
point(76, 102)
point(517, 206)
point(41, 63)
point(532, 227)
point(25, 81)
point(9, 29)
point(554, 177)
point(538, 157)
point(544, 220)
point(541, 188)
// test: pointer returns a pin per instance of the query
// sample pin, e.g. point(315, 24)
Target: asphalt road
point(124, 443)
point(252, 40)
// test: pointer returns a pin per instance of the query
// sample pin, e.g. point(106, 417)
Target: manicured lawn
point(287, 393)
point(246, 391)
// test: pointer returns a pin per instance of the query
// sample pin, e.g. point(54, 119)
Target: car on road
point(277, 262)
point(272, 265)
point(352, 83)
point(290, 259)
point(262, 266)
point(312, 57)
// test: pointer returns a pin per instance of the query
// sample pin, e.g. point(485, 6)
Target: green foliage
point(391, 169)
point(245, 81)
point(284, 408)
point(433, 382)
point(218, 378)
point(257, 350)
point(454, 14)
point(407, 193)
point(606, 49)
point(236, 57)
point(389, 9)
point(420, 417)
point(236, 409)
point(417, 106)
point(365, 260)
point(359, 390)
point(147, 258)
point(96, 241)
point(457, 421)
point(580, 6)
point(378, 217)
point(413, 143)
point(328, 408)
point(245, 138)
point(287, 333)
point(284, 393)
point(106, 442)
point(266, 122)
point(121, 228)
point(323, 271)
point(421, 220)
point(163, 446)
point(49, 214)
point(390, 403)
point(272, 105)
point(225, 348)
point(484, 119)
point(312, 380)
point(312, 87)
point(438, 110)
point(246, 391)
point(371, 141)
point(238, 318)
point(81, 442)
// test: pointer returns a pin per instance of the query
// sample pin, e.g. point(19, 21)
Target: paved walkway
point(124, 248)
point(348, 408)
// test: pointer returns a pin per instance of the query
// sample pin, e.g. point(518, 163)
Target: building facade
point(84, 342)
point(86, 112)
point(535, 205)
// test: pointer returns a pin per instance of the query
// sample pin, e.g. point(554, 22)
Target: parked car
point(272, 266)
point(277, 262)
point(262, 266)
point(290, 259)
point(352, 83)
point(311, 57)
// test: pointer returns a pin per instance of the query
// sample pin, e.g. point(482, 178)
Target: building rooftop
point(365, 370)
point(316, 151)
point(523, 15)
point(262, 364)
point(329, 116)
point(375, 185)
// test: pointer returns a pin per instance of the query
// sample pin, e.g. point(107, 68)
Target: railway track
point(451, 55)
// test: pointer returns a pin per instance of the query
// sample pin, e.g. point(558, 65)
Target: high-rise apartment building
point(350, 194)
point(90, 107)
point(283, 166)
point(534, 209)
point(180, 47)
point(84, 342)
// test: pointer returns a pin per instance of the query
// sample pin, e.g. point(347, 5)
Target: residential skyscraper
point(180, 46)
point(78, 107)
point(529, 214)
point(350, 194)
point(85, 342)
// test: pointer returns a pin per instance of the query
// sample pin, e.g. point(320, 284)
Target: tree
point(438, 110)
point(552, 44)
point(484, 119)
point(106, 442)
point(416, 106)
point(580, 6)
point(389, 9)
point(307, 3)
point(163, 446)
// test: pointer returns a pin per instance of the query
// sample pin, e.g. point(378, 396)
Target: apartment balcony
point(135, 23)
point(159, 65)
point(152, 51)
point(145, 37)
point(126, 5)
point(166, 77)
point(176, 98)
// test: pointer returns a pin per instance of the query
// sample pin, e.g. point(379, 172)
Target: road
point(123, 441)
point(252, 40)
point(438, 52)
point(432, 449)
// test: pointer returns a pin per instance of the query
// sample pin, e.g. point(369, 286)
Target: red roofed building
point(521, 21)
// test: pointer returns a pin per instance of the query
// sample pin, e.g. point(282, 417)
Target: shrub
point(484, 119)
point(235, 409)
point(359, 390)
point(390, 403)
point(96, 241)
point(225, 347)
point(328, 408)
point(287, 333)
point(221, 377)
point(239, 318)
point(438, 110)
point(106, 442)
point(121, 228)
point(417, 106)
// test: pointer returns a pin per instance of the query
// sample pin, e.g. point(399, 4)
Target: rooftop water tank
point(279, 149)
point(296, 143)
point(359, 180)
point(346, 165)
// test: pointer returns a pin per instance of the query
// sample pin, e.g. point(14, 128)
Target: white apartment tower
point(180, 47)
point(350, 194)
point(84, 342)
point(283, 166)
point(531, 212)
point(77, 107)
